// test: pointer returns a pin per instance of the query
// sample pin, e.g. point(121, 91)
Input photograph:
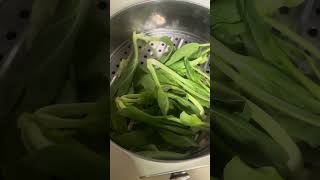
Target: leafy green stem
point(181, 81)
point(293, 36)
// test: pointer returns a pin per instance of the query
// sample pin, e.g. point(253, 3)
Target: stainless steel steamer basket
point(184, 22)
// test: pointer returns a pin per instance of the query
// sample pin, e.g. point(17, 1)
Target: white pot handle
point(180, 176)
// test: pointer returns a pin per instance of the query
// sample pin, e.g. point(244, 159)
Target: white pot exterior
point(147, 168)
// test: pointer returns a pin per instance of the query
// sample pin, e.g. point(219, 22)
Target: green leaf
point(163, 101)
point(148, 147)
point(270, 49)
point(279, 135)
point(42, 13)
point(265, 97)
point(183, 52)
point(171, 50)
point(166, 122)
point(272, 128)
point(177, 140)
point(226, 23)
point(236, 169)
point(190, 86)
point(250, 143)
point(187, 105)
point(123, 82)
point(118, 123)
point(292, 35)
point(98, 117)
point(68, 116)
point(191, 120)
point(224, 12)
point(292, 3)
point(72, 110)
point(52, 59)
point(134, 139)
point(276, 82)
point(143, 98)
point(300, 131)
point(31, 133)
point(68, 92)
point(11, 151)
point(268, 7)
point(229, 37)
point(163, 155)
point(250, 45)
point(298, 54)
point(82, 163)
point(89, 63)
point(147, 83)
point(191, 73)
point(162, 96)
point(180, 68)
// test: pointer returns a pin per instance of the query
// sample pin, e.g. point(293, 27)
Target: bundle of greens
point(159, 111)
point(266, 107)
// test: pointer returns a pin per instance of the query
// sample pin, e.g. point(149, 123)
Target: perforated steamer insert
point(153, 49)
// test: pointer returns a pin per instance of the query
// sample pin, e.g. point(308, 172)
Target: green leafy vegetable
point(169, 98)
point(236, 169)
point(269, 49)
point(184, 52)
point(177, 140)
point(266, 93)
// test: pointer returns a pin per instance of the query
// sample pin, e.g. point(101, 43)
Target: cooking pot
point(184, 21)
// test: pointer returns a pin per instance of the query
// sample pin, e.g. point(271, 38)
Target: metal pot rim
point(112, 143)
point(153, 1)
